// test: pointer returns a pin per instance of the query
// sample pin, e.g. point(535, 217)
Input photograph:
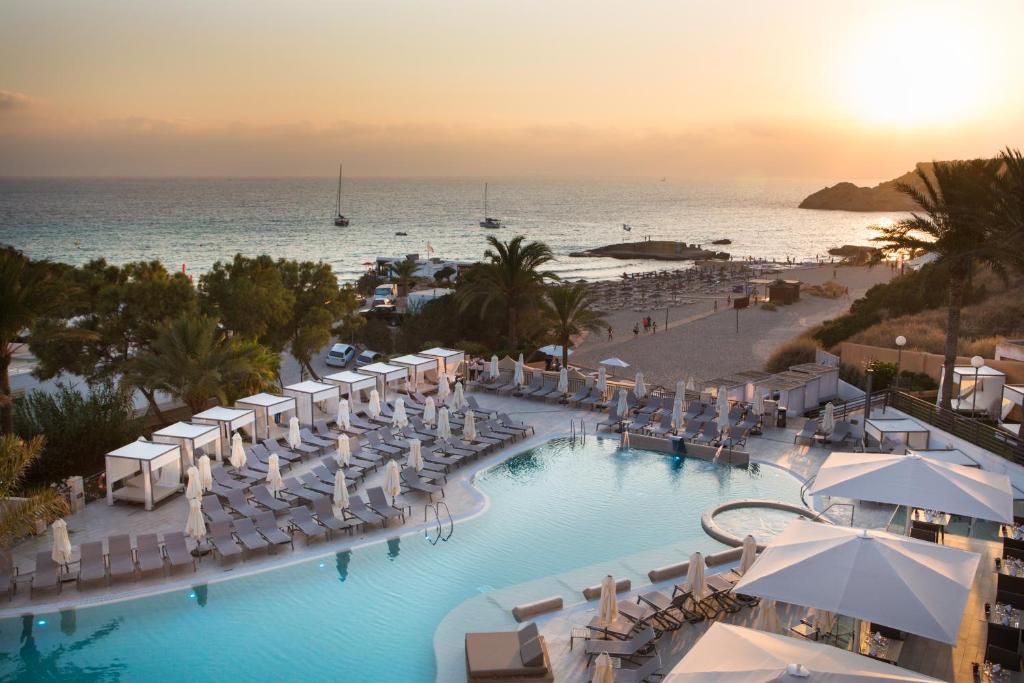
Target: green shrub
point(793, 352)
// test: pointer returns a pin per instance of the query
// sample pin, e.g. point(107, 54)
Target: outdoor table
point(1014, 618)
point(888, 649)
point(941, 518)
point(620, 628)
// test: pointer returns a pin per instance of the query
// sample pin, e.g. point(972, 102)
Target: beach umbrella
point(758, 408)
point(430, 411)
point(722, 406)
point(374, 406)
point(602, 379)
point(695, 576)
point(641, 388)
point(340, 497)
point(680, 389)
point(415, 460)
point(443, 390)
point(61, 551)
point(195, 525)
point(237, 452)
point(294, 436)
point(469, 428)
point(399, 419)
point(563, 381)
point(916, 481)
point(274, 481)
point(728, 653)
point(205, 472)
point(444, 428)
point(517, 377)
point(392, 479)
point(677, 413)
point(343, 454)
point(608, 608)
point(612, 363)
point(691, 386)
point(194, 489)
point(459, 397)
point(344, 417)
point(904, 583)
point(604, 672)
point(748, 555)
point(493, 370)
point(621, 408)
point(828, 419)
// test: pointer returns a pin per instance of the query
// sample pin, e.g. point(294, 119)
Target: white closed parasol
point(237, 452)
point(205, 472)
point(493, 370)
point(695, 576)
point(61, 551)
point(641, 388)
point(563, 381)
point(195, 525)
point(459, 397)
point(374, 405)
point(344, 417)
point(517, 376)
point(343, 453)
point(444, 427)
point(469, 428)
point(415, 460)
point(621, 408)
point(392, 479)
point(430, 411)
point(607, 608)
point(748, 555)
point(340, 497)
point(294, 437)
point(399, 419)
point(194, 488)
point(274, 481)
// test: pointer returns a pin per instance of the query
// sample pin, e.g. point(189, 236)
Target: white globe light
point(977, 361)
point(901, 340)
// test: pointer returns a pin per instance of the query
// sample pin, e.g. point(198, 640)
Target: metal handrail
point(437, 516)
point(451, 522)
point(852, 507)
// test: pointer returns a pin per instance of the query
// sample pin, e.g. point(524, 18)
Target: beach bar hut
point(269, 410)
point(891, 432)
point(143, 472)
point(827, 379)
point(229, 420)
point(386, 375)
point(448, 360)
point(352, 384)
point(988, 395)
point(418, 367)
point(314, 400)
point(190, 437)
point(787, 389)
point(1010, 416)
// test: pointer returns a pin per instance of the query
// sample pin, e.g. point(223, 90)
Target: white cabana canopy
point(229, 420)
point(351, 383)
point(308, 395)
point(917, 481)
point(907, 431)
point(418, 367)
point(266, 407)
point(986, 397)
point(1013, 397)
point(190, 437)
point(883, 578)
point(727, 653)
point(448, 360)
point(386, 374)
point(147, 472)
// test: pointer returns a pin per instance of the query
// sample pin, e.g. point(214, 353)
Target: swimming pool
point(370, 614)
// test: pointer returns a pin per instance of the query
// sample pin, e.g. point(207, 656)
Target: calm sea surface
point(198, 221)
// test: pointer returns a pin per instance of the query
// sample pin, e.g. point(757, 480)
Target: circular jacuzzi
point(730, 522)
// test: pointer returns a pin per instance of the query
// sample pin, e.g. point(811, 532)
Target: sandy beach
point(703, 342)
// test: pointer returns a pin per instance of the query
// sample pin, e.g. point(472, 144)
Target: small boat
point(488, 222)
point(401, 234)
point(339, 218)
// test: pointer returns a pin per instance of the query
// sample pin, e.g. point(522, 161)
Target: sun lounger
point(647, 671)
point(284, 455)
point(750, 421)
point(643, 615)
point(294, 487)
point(379, 504)
point(708, 433)
point(841, 432)
point(300, 448)
point(328, 476)
point(220, 537)
point(148, 555)
point(357, 507)
point(46, 574)
point(508, 655)
point(8, 573)
point(359, 422)
point(691, 431)
point(535, 386)
point(476, 448)
point(266, 523)
point(612, 421)
point(363, 456)
point(240, 504)
point(808, 433)
point(261, 495)
point(708, 606)
point(120, 557)
point(639, 643)
point(247, 534)
point(411, 482)
point(671, 609)
point(221, 476)
point(720, 590)
point(640, 422)
point(447, 446)
point(549, 392)
point(595, 400)
point(324, 509)
point(374, 442)
point(581, 395)
point(649, 406)
point(313, 483)
point(213, 510)
point(91, 567)
point(664, 428)
point(695, 408)
point(434, 455)
point(314, 440)
point(421, 427)
point(255, 465)
point(302, 521)
point(176, 551)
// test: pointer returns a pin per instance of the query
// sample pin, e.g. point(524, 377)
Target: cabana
point(350, 384)
point(229, 420)
point(267, 407)
point(448, 360)
point(827, 377)
point(190, 437)
point(143, 472)
point(895, 431)
point(1013, 400)
point(988, 395)
point(788, 389)
point(385, 374)
point(418, 367)
point(313, 399)
point(735, 389)
point(750, 378)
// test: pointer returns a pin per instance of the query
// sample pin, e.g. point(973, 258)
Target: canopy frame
point(141, 460)
point(190, 437)
point(229, 420)
point(310, 393)
point(267, 407)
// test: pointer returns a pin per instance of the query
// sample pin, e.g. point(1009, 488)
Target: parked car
point(340, 355)
point(388, 313)
point(367, 357)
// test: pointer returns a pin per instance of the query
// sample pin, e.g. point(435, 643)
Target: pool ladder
point(582, 433)
point(440, 534)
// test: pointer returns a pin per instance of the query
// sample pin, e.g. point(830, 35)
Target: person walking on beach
point(636, 329)
point(609, 333)
point(654, 327)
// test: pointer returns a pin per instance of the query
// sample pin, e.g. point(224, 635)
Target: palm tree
point(956, 226)
point(510, 275)
point(1009, 201)
point(404, 272)
point(193, 360)
point(21, 509)
point(569, 310)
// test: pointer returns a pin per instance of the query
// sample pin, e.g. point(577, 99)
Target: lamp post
point(901, 341)
point(976, 362)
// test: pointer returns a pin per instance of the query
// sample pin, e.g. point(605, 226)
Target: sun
point(927, 66)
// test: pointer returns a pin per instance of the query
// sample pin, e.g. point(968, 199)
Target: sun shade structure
point(418, 367)
point(352, 383)
point(951, 456)
point(827, 378)
point(448, 360)
point(1013, 399)
point(190, 437)
point(267, 407)
point(553, 350)
point(896, 581)
point(983, 398)
point(386, 374)
point(733, 654)
point(909, 432)
point(229, 420)
point(314, 400)
point(143, 472)
point(917, 481)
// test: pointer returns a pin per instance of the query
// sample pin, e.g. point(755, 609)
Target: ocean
point(193, 222)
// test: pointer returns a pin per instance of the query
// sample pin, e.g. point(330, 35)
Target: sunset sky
point(817, 89)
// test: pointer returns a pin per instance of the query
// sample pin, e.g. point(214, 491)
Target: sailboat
point(339, 219)
point(488, 222)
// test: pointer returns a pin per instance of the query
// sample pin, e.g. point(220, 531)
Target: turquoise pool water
point(370, 614)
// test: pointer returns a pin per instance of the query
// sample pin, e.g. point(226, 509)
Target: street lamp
point(977, 362)
point(901, 341)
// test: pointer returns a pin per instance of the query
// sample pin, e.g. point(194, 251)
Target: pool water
point(763, 523)
point(370, 614)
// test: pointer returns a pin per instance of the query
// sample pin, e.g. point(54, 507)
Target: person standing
point(636, 329)
point(609, 333)
point(654, 327)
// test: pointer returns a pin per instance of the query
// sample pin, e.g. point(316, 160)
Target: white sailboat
point(339, 218)
point(488, 222)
